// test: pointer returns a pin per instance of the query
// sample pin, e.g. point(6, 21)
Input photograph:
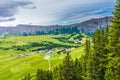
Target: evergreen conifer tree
point(113, 67)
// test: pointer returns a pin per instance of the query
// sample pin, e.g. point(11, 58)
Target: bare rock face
point(89, 26)
point(93, 24)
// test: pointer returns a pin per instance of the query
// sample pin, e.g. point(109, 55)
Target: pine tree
point(84, 66)
point(99, 57)
point(66, 71)
point(87, 62)
point(68, 68)
point(114, 39)
point(113, 67)
point(77, 70)
point(44, 75)
point(96, 55)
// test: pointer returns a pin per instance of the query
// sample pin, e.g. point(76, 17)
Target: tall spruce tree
point(113, 67)
point(77, 70)
point(114, 39)
point(85, 59)
point(96, 55)
point(68, 68)
point(66, 71)
point(87, 66)
point(44, 75)
point(99, 57)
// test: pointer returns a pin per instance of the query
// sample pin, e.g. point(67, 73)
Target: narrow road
point(47, 57)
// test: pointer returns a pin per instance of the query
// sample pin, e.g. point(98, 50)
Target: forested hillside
point(101, 60)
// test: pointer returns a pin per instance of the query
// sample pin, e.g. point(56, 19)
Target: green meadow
point(22, 55)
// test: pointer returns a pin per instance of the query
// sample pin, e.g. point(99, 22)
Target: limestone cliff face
point(89, 26)
point(93, 24)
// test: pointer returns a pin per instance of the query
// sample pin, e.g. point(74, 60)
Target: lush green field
point(13, 67)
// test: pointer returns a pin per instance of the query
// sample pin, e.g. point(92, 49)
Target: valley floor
point(16, 62)
point(14, 68)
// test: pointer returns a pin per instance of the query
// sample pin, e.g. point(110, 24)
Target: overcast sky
point(49, 12)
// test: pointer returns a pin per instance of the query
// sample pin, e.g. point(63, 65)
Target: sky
point(51, 12)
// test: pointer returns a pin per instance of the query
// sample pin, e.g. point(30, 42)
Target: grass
point(14, 68)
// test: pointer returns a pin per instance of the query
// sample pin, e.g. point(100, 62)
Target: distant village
point(45, 52)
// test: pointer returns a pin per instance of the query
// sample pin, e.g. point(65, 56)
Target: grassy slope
point(13, 68)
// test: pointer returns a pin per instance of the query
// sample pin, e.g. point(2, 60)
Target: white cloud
point(47, 12)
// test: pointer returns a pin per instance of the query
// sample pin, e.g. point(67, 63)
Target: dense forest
point(101, 60)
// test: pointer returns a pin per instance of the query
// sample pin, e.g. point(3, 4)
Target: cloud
point(85, 12)
point(82, 16)
point(60, 11)
point(7, 19)
point(48, 12)
point(9, 8)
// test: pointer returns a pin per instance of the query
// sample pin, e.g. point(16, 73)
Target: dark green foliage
point(98, 56)
point(114, 39)
point(27, 77)
point(78, 70)
point(88, 66)
point(44, 75)
point(113, 67)
point(85, 59)
point(69, 70)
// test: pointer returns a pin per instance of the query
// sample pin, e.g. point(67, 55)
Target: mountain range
point(88, 27)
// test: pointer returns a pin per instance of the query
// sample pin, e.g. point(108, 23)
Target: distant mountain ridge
point(88, 27)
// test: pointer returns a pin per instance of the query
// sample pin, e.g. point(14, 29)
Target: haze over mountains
point(88, 27)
